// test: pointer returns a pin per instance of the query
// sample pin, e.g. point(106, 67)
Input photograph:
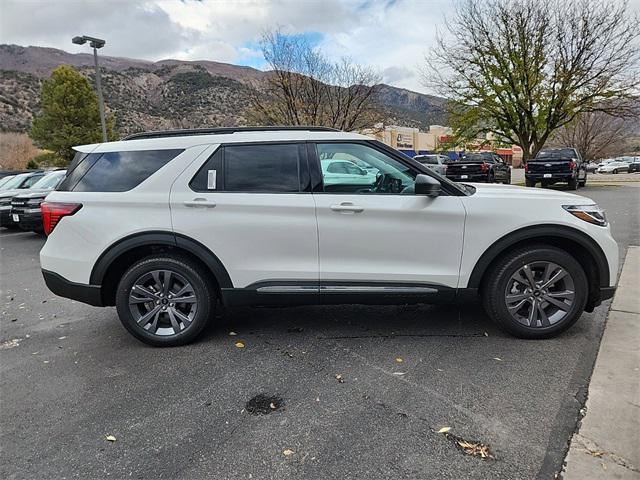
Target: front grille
point(19, 206)
point(549, 167)
point(464, 169)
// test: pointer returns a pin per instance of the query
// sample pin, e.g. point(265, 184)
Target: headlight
point(35, 202)
point(589, 213)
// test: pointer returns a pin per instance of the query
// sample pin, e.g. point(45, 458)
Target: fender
point(170, 239)
point(541, 232)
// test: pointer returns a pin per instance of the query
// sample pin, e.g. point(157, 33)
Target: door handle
point(347, 207)
point(199, 203)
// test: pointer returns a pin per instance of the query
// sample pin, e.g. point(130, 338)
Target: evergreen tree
point(69, 115)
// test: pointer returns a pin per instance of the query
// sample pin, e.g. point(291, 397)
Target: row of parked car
point(616, 165)
point(21, 195)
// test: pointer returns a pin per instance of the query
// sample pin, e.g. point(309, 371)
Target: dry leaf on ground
point(444, 429)
point(110, 438)
point(287, 451)
point(239, 344)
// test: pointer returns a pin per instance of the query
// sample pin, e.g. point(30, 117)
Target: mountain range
point(144, 95)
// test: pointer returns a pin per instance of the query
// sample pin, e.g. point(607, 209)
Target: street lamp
point(95, 43)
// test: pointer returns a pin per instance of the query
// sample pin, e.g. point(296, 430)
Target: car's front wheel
point(165, 300)
point(535, 292)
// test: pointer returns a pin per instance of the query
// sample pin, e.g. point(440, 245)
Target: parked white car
point(168, 225)
point(613, 167)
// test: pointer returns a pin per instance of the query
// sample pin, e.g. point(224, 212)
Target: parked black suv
point(554, 165)
point(479, 167)
point(12, 188)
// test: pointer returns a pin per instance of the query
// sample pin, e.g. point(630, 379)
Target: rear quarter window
point(115, 171)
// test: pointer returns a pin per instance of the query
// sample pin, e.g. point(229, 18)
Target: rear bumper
point(474, 178)
point(558, 177)
point(90, 294)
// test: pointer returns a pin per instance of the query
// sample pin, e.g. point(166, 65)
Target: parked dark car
point(12, 173)
point(555, 165)
point(25, 207)
point(634, 165)
point(479, 167)
point(14, 187)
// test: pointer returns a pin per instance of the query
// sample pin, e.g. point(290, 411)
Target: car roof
point(239, 136)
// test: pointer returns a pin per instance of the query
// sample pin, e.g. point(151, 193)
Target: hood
point(11, 193)
point(31, 193)
point(512, 191)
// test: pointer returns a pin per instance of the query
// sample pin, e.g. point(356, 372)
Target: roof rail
point(221, 131)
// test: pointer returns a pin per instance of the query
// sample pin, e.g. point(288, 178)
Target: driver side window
point(358, 168)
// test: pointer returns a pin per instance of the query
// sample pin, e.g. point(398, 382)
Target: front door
point(375, 234)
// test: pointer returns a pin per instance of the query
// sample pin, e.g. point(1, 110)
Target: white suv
point(168, 225)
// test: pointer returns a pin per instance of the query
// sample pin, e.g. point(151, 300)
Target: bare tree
point(304, 88)
point(522, 69)
point(595, 135)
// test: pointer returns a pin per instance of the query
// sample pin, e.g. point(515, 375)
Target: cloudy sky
point(391, 35)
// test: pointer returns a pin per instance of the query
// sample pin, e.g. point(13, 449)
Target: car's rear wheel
point(573, 184)
point(536, 292)
point(615, 171)
point(165, 300)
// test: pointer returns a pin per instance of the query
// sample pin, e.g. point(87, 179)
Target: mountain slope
point(147, 95)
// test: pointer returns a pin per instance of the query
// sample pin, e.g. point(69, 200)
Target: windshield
point(560, 152)
point(50, 181)
point(5, 180)
point(15, 182)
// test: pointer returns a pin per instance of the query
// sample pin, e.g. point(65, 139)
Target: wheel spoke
point(147, 295)
point(153, 326)
point(156, 278)
point(558, 303)
point(533, 317)
point(529, 274)
point(186, 299)
point(182, 317)
point(544, 320)
point(568, 294)
point(518, 306)
point(166, 286)
point(560, 274)
point(516, 297)
point(174, 322)
point(144, 319)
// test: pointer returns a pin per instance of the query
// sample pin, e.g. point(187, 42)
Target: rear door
point(382, 238)
point(251, 205)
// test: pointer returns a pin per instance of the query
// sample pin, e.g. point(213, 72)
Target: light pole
point(96, 43)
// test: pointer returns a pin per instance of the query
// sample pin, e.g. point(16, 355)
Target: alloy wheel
point(163, 302)
point(540, 294)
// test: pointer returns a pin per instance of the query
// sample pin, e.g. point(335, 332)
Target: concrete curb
point(607, 446)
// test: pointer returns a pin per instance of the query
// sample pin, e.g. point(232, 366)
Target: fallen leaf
point(239, 344)
point(596, 453)
point(272, 406)
point(444, 429)
point(399, 360)
point(232, 333)
point(339, 378)
point(399, 373)
point(486, 334)
point(110, 438)
point(497, 358)
point(286, 452)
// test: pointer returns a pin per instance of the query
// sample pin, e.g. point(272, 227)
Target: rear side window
point(115, 171)
point(262, 168)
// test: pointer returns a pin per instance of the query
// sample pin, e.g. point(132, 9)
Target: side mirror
point(427, 185)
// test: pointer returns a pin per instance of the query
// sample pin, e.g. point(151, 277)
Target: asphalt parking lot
point(71, 375)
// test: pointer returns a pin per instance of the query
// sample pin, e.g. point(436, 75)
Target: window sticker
point(211, 179)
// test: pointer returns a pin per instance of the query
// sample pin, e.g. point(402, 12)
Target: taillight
point(52, 212)
point(484, 167)
point(573, 165)
point(526, 167)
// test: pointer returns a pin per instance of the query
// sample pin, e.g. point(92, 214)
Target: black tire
point(496, 282)
point(615, 172)
point(182, 269)
point(573, 184)
point(530, 183)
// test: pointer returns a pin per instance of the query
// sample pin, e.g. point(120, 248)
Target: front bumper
point(29, 220)
point(5, 217)
point(90, 294)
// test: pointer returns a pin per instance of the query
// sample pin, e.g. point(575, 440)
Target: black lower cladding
point(62, 287)
point(296, 292)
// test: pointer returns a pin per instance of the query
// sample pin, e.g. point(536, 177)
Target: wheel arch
point(119, 256)
point(573, 241)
